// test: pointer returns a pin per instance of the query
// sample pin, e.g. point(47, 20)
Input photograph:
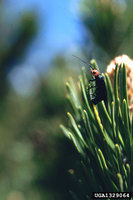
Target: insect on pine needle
point(101, 91)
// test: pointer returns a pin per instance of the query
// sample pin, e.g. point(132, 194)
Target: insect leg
point(91, 80)
point(93, 94)
point(92, 86)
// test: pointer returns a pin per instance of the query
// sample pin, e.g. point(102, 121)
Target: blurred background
point(37, 41)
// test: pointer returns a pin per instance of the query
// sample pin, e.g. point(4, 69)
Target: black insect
point(100, 92)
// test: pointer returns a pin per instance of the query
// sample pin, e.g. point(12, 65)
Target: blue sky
point(58, 22)
point(58, 32)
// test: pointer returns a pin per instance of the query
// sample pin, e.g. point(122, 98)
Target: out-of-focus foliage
point(16, 171)
point(13, 44)
point(32, 150)
point(108, 23)
point(54, 155)
point(34, 155)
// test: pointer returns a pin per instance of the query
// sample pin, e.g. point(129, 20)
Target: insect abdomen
point(101, 92)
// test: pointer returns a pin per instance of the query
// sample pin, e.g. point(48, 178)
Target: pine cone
point(123, 59)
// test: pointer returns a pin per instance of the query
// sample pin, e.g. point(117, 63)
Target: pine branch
point(103, 138)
